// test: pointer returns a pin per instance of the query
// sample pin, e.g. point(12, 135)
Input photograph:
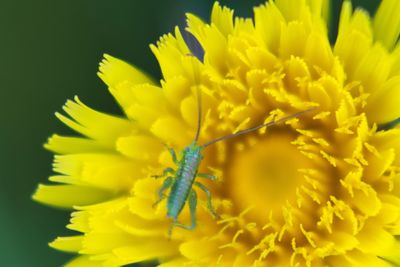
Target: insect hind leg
point(166, 184)
point(192, 208)
point(209, 204)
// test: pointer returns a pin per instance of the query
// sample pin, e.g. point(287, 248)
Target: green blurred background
point(50, 52)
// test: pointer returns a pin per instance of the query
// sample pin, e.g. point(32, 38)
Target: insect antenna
point(196, 51)
point(199, 107)
point(257, 127)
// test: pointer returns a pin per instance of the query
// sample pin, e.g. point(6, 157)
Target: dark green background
point(49, 52)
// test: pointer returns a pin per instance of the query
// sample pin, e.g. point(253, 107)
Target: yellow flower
point(320, 190)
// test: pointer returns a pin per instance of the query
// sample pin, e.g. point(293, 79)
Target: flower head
point(322, 189)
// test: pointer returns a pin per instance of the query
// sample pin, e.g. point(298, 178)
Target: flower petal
point(386, 101)
point(68, 196)
point(82, 261)
point(387, 23)
point(68, 244)
point(114, 71)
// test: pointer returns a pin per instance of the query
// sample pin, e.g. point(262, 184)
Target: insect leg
point(209, 204)
point(192, 208)
point(173, 154)
point(166, 184)
point(165, 172)
point(207, 176)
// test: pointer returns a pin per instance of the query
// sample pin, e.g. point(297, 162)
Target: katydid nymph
point(182, 181)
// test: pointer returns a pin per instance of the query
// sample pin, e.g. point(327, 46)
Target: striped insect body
point(185, 175)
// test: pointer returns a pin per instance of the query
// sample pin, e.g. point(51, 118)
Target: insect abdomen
point(185, 176)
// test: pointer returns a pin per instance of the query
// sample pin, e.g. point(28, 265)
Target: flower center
point(264, 174)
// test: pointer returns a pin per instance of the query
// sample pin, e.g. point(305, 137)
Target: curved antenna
point(196, 51)
point(199, 119)
point(257, 127)
point(199, 106)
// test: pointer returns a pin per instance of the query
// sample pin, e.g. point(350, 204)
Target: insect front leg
point(209, 204)
point(173, 154)
point(165, 172)
point(166, 184)
point(192, 208)
point(207, 176)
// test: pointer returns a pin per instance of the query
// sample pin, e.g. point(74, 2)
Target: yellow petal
point(176, 262)
point(142, 228)
point(100, 217)
point(390, 214)
point(170, 51)
point(343, 241)
point(376, 241)
point(354, 37)
point(357, 259)
point(146, 188)
point(106, 240)
point(143, 208)
point(176, 89)
point(319, 95)
point(109, 171)
point(396, 61)
point(198, 249)
point(268, 20)
point(113, 71)
point(146, 105)
point(82, 261)
point(96, 125)
point(222, 17)
point(196, 26)
point(321, 7)
point(146, 250)
point(379, 164)
point(189, 111)
point(383, 106)
point(67, 244)
point(261, 58)
point(172, 131)
point(387, 23)
point(140, 147)
point(318, 52)
point(79, 221)
point(373, 69)
point(291, 10)
point(67, 196)
point(293, 39)
point(72, 145)
point(214, 43)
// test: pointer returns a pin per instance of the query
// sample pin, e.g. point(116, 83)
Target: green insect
point(183, 180)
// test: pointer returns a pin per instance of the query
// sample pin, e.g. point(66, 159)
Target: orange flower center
point(266, 173)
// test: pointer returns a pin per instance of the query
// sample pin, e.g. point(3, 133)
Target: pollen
point(321, 189)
